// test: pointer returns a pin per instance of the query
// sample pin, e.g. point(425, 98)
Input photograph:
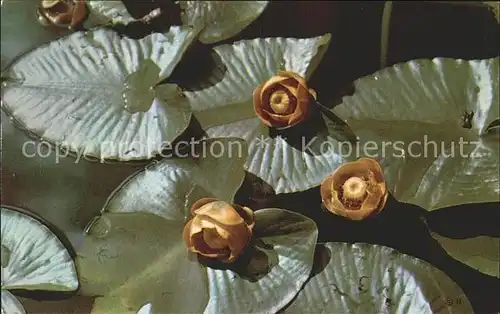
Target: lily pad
point(10, 305)
point(431, 124)
point(226, 109)
point(19, 20)
point(365, 278)
point(219, 20)
point(114, 11)
point(146, 309)
point(481, 253)
point(33, 258)
point(97, 94)
point(168, 188)
point(110, 266)
point(149, 211)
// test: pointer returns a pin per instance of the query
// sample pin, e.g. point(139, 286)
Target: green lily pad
point(97, 94)
point(366, 278)
point(481, 253)
point(33, 258)
point(220, 20)
point(126, 252)
point(430, 123)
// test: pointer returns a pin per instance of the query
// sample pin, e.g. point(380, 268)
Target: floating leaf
point(114, 11)
point(124, 253)
point(33, 258)
point(226, 109)
point(96, 93)
point(279, 266)
point(220, 20)
point(10, 305)
point(430, 124)
point(19, 20)
point(365, 278)
point(154, 248)
point(265, 278)
point(169, 188)
point(481, 253)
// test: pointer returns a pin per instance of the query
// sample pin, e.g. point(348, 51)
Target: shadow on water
point(170, 15)
point(201, 67)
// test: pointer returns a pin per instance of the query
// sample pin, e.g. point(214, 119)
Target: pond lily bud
point(284, 100)
point(355, 190)
point(62, 13)
point(218, 230)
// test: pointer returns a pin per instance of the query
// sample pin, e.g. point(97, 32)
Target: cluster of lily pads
point(170, 238)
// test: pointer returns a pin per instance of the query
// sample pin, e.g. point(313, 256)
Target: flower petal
point(220, 212)
point(199, 203)
point(275, 80)
point(33, 258)
point(213, 240)
point(298, 78)
point(374, 166)
point(246, 213)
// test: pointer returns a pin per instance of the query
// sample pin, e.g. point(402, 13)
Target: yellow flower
point(284, 100)
point(355, 190)
point(218, 230)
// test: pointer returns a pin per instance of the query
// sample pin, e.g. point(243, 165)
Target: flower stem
point(384, 33)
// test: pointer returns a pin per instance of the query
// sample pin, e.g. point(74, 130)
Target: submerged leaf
point(220, 20)
point(365, 278)
point(225, 108)
point(428, 122)
point(33, 258)
point(481, 253)
point(96, 93)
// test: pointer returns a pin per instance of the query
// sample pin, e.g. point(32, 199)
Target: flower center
point(279, 102)
point(354, 189)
